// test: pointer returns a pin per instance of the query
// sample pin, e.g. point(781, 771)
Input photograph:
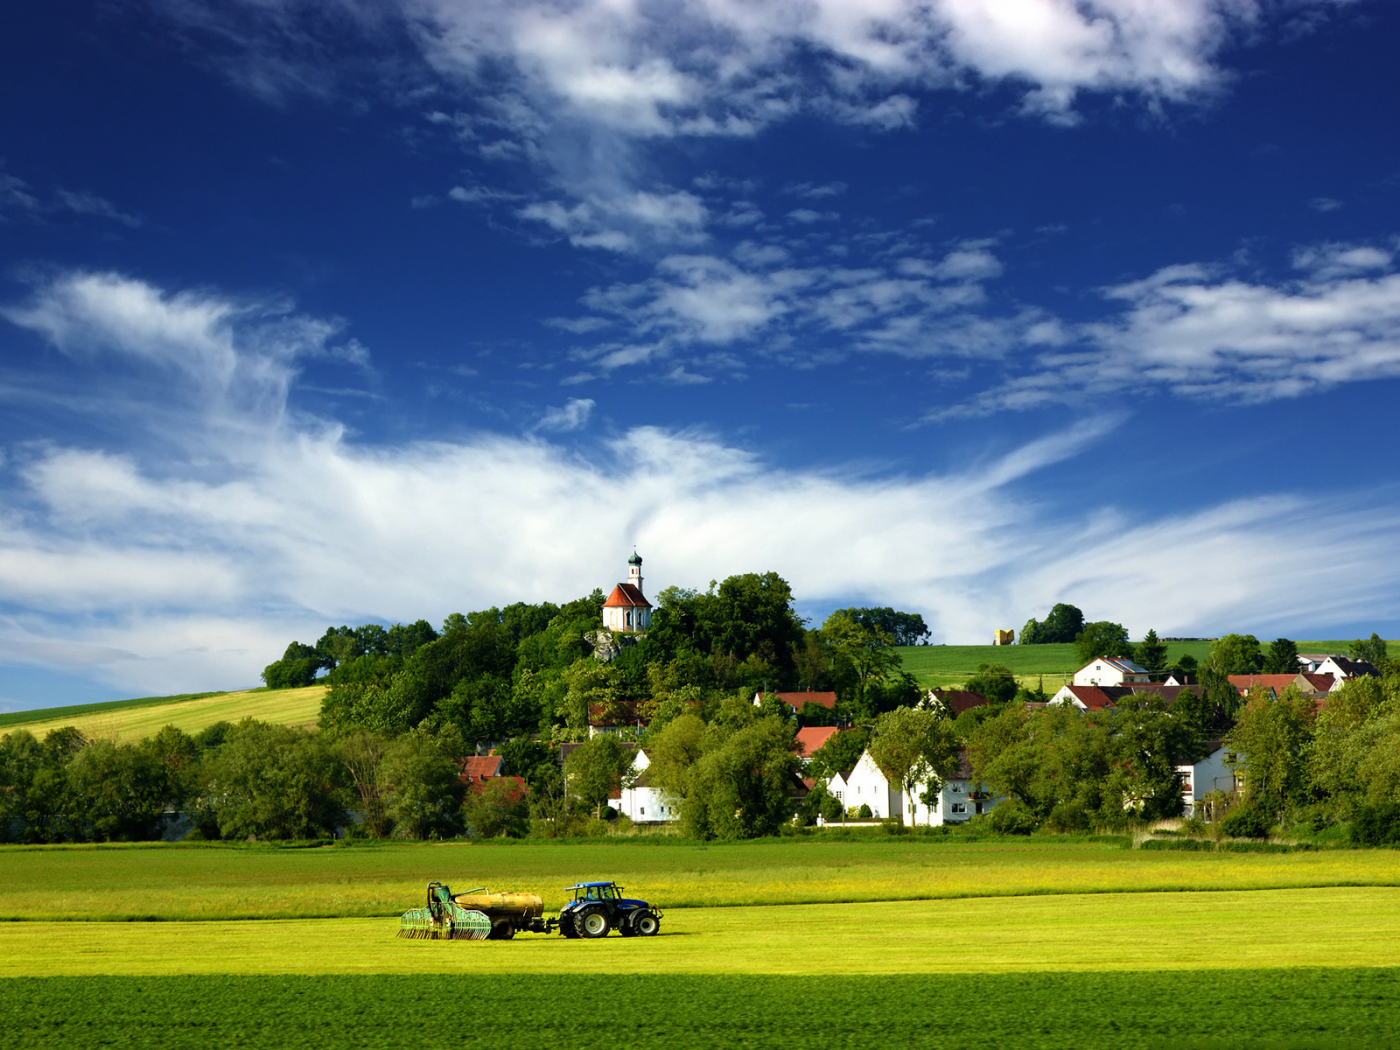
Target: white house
point(627, 611)
point(1110, 670)
point(642, 803)
point(960, 799)
point(1341, 668)
point(1200, 778)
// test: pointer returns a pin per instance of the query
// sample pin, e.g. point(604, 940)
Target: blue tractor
point(598, 907)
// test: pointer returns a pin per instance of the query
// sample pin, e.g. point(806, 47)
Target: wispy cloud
point(572, 415)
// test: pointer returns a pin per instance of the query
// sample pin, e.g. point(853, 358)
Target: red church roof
point(813, 737)
point(626, 595)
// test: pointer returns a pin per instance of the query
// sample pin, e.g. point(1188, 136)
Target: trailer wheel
point(568, 927)
point(646, 924)
point(502, 931)
point(593, 923)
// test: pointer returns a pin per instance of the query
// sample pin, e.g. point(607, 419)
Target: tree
point(867, 651)
point(1282, 657)
point(595, 769)
point(811, 662)
point(1272, 736)
point(362, 754)
point(905, 628)
point(1235, 654)
point(1372, 650)
point(994, 682)
point(1063, 624)
point(497, 808)
point(913, 747)
point(839, 754)
point(1151, 654)
point(297, 668)
point(1102, 638)
point(421, 776)
point(272, 782)
point(742, 784)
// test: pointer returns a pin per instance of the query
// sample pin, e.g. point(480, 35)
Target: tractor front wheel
point(593, 923)
point(645, 924)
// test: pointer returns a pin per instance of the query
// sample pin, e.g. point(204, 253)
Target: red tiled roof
point(626, 595)
point(520, 790)
point(1320, 683)
point(813, 737)
point(1091, 696)
point(796, 700)
point(959, 700)
point(481, 767)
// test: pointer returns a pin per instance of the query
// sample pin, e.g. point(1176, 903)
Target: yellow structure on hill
point(1003, 637)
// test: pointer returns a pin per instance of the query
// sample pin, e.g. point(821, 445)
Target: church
point(627, 611)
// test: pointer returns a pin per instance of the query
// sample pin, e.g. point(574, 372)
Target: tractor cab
point(597, 907)
point(596, 891)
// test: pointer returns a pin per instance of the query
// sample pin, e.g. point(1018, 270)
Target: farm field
point(1327, 927)
point(942, 665)
point(128, 720)
point(1339, 1009)
point(261, 882)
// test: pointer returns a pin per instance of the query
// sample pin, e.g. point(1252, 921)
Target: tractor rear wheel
point(645, 924)
point(593, 923)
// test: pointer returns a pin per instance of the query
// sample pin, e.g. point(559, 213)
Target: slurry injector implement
point(478, 915)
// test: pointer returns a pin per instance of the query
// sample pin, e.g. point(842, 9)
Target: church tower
point(627, 611)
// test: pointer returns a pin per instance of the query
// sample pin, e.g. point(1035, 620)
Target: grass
point(98, 883)
point(1247, 1010)
point(1312, 927)
point(51, 713)
point(135, 719)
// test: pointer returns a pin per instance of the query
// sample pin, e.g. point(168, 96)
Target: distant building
point(1110, 670)
point(627, 611)
point(1003, 637)
point(797, 701)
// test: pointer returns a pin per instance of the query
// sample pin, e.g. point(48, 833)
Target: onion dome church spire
point(627, 611)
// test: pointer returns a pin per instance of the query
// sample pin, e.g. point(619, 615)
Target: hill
point(944, 665)
point(135, 719)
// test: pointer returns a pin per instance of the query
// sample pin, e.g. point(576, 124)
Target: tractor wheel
point(645, 924)
point(502, 931)
point(593, 923)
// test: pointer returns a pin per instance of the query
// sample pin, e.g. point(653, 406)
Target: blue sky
point(325, 312)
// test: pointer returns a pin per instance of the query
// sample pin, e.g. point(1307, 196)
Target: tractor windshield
point(599, 893)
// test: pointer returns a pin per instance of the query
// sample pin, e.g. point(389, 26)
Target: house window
point(644, 811)
point(959, 807)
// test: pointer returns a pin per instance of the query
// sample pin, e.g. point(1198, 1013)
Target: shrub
point(1377, 825)
point(864, 812)
point(1012, 818)
point(1068, 816)
point(1247, 823)
point(1193, 827)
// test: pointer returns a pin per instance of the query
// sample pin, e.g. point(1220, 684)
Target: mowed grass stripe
point(295, 707)
point(1149, 931)
point(1239, 1010)
point(104, 883)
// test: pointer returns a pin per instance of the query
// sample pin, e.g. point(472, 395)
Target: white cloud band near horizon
point(188, 559)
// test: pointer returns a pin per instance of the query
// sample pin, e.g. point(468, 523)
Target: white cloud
point(572, 415)
point(1197, 331)
point(190, 561)
point(91, 204)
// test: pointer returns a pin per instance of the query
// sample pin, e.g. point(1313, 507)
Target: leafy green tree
point(867, 651)
point(912, 748)
point(811, 663)
point(362, 754)
point(1273, 736)
point(1102, 638)
point(595, 769)
point(1146, 744)
point(742, 784)
point(423, 786)
point(297, 668)
point(905, 628)
point(497, 809)
point(839, 754)
point(994, 682)
point(1282, 658)
point(1151, 655)
point(1235, 654)
point(117, 792)
point(1063, 624)
point(1372, 650)
point(272, 782)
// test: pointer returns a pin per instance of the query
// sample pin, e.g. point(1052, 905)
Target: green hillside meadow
point(904, 941)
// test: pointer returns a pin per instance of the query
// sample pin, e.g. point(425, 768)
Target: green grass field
point(1242, 1010)
point(1347, 926)
point(135, 719)
point(945, 665)
point(220, 883)
point(904, 941)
